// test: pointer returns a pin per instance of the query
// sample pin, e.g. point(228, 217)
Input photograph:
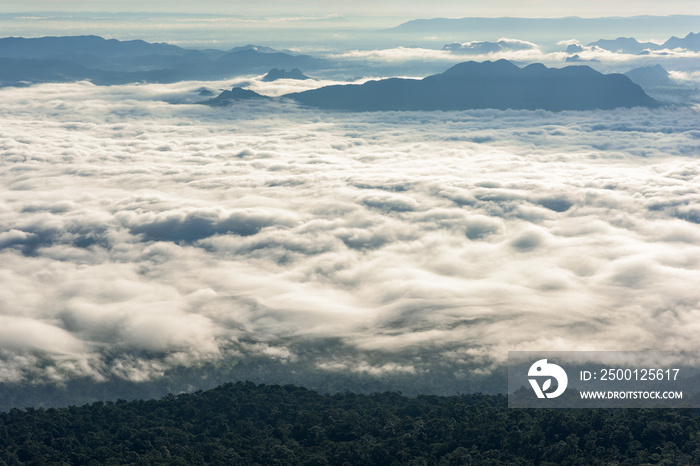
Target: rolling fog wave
point(138, 235)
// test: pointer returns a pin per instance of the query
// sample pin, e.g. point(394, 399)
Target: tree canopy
point(245, 423)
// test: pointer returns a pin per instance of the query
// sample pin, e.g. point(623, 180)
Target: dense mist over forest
point(377, 213)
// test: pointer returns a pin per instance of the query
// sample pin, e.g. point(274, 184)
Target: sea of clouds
point(432, 60)
point(139, 235)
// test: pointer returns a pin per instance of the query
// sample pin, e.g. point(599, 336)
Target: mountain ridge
point(631, 45)
point(567, 26)
point(474, 85)
point(111, 61)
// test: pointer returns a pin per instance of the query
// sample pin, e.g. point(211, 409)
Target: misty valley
point(322, 252)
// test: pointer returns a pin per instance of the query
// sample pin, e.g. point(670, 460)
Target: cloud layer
point(423, 61)
point(138, 235)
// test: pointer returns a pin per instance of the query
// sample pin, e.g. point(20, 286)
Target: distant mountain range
point(102, 61)
point(530, 28)
point(630, 45)
point(472, 85)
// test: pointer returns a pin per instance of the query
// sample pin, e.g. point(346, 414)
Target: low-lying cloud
point(484, 47)
point(138, 235)
point(417, 60)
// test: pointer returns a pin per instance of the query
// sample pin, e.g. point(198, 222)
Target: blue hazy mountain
point(625, 45)
point(574, 48)
point(250, 60)
point(651, 76)
point(576, 58)
point(552, 29)
point(632, 46)
point(472, 85)
point(24, 71)
point(657, 83)
point(102, 61)
point(254, 48)
point(18, 71)
point(689, 42)
point(236, 94)
point(98, 53)
point(483, 47)
point(275, 74)
point(77, 46)
point(511, 23)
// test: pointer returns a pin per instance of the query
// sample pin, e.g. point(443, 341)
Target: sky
point(392, 8)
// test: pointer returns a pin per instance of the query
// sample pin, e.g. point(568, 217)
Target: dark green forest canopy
point(244, 423)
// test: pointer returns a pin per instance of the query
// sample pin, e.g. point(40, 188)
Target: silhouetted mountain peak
point(234, 95)
point(483, 47)
point(479, 69)
point(650, 76)
point(577, 59)
point(630, 45)
point(578, 72)
point(253, 48)
point(111, 61)
point(499, 84)
point(689, 42)
point(52, 47)
point(204, 92)
point(252, 59)
point(535, 69)
point(625, 45)
point(652, 70)
point(275, 73)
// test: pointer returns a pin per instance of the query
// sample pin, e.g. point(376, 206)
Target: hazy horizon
point(447, 8)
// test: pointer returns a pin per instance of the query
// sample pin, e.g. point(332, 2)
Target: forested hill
point(244, 423)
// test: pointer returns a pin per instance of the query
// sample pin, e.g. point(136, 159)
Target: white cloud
point(420, 61)
point(691, 78)
point(138, 235)
point(512, 49)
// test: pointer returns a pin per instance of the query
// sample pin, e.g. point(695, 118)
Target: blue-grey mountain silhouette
point(482, 47)
point(254, 48)
point(651, 76)
point(657, 82)
point(574, 48)
point(254, 61)
point(275, 73)
point(690, 42)
point(577, 59)
point(472, 85)
point(204, 92)
point(630, 45)
point(75, 47)
point(236, 94)
point(586, 29)
point(18, 71)
point(61, 59)
point(627, 45)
